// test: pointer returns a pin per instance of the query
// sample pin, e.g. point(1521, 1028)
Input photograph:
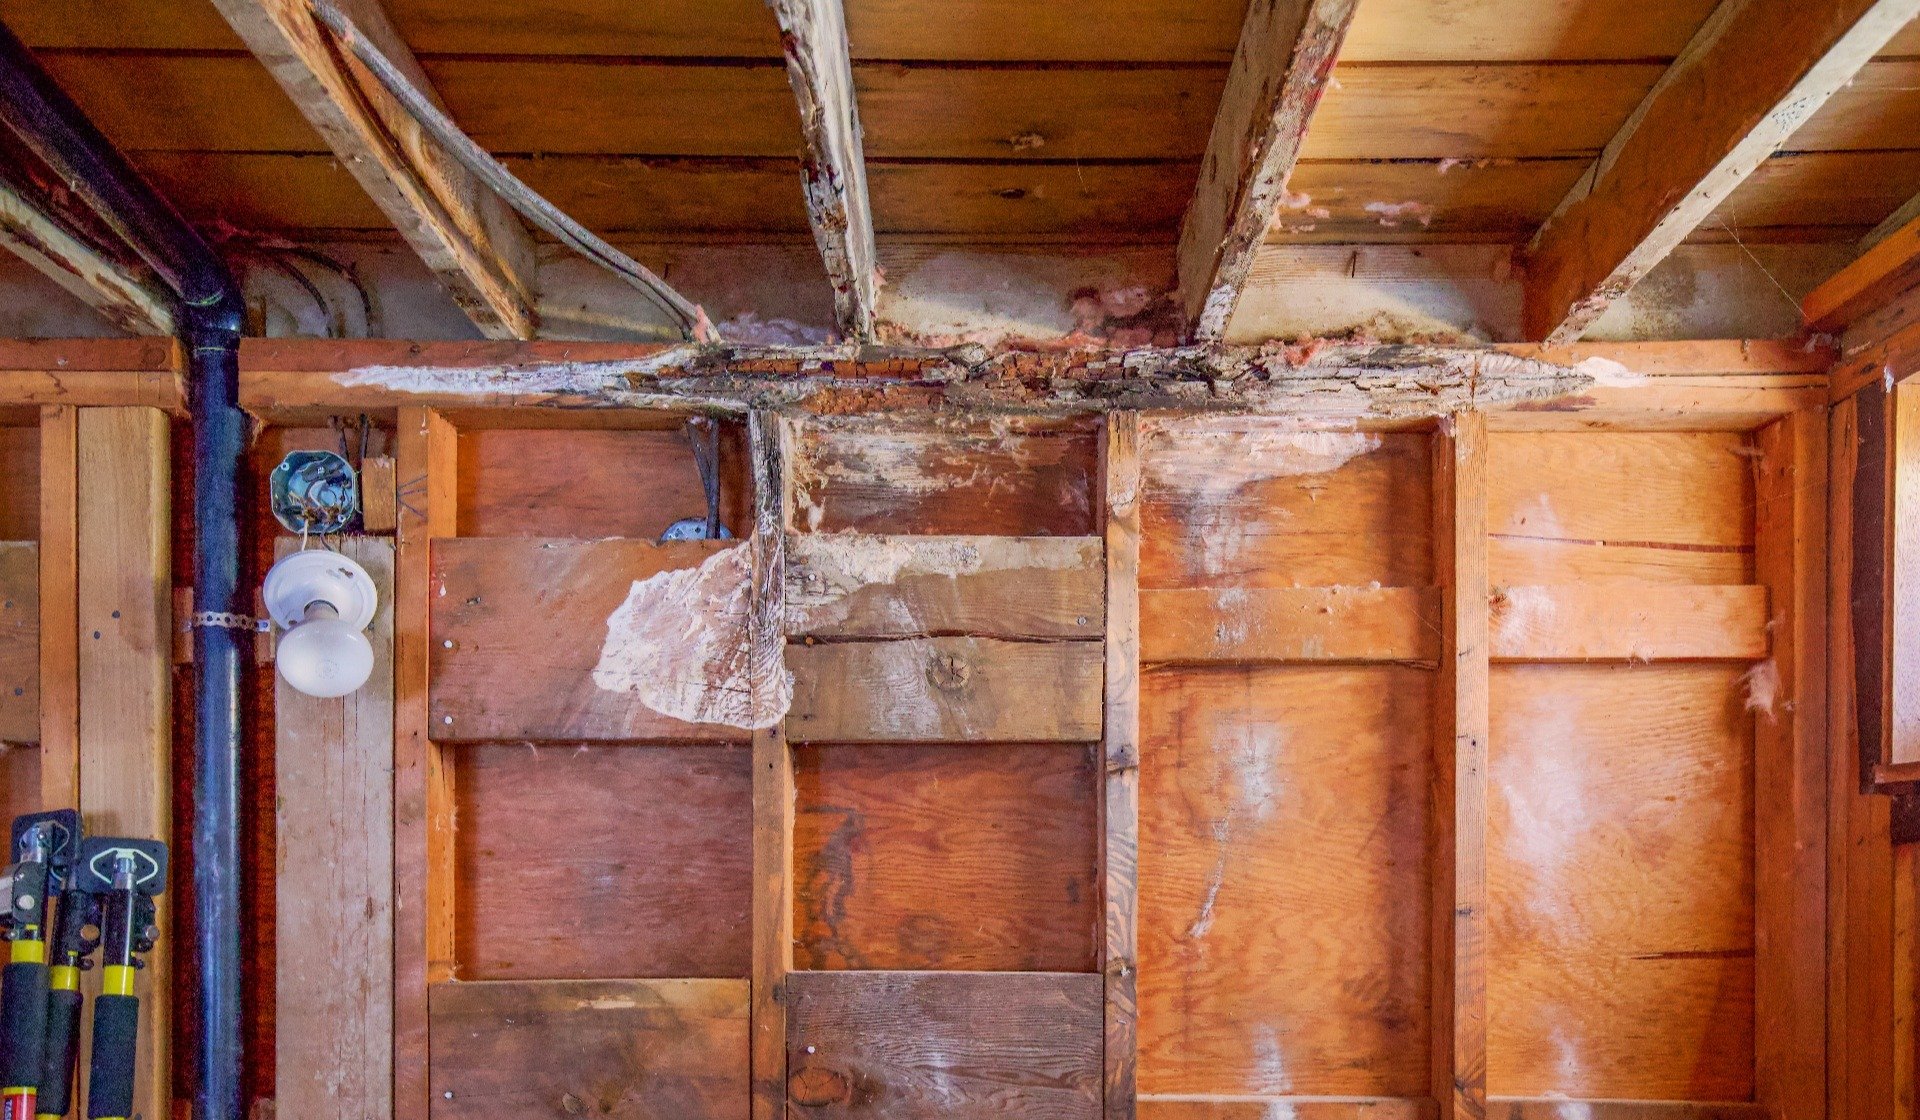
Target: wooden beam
point(1120, 813)
point(130, 302)
point(853, 585)
point(1883, 270)
point(820, 68)
point(1589, 622)
point(773, 782)
point(19, 642)
point(1281, 67)
point(1752, 74)
point(467, 235)
point(1290, 624)
point(59, 606)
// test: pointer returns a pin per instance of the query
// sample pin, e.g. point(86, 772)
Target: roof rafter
point(820, 68)
point(1888, 264)
point(1753, 73)
point(129, 302)
point(1281, 67)
point(469, 237)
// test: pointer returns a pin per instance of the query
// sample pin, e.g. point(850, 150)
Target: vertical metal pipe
point(210, 317)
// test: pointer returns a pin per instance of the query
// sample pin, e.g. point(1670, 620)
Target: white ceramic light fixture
point(325, 602)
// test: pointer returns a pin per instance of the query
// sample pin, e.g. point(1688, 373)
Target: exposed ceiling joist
point(1282, 65)
point(127, 301)
point(472, 241)
point(1887, 268)
point(1755, 71)
point(820, 68)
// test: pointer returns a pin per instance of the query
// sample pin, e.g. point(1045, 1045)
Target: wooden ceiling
point(986, 121)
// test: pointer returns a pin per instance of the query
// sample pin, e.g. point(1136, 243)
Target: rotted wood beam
point(132, 303)
point(820, 68)
point(1281, 67)
point(1753, 73)
point(476, 246)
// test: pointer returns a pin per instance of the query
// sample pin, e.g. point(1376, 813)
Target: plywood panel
point(885, 478)
point(1397, 201)
point(953, 689)
point(626, 1049)
point(19, 642)
point(946, 857)
point(1620, 883)
point(522, 629)
point(1468, 112)
point(1284, 881)
point(1268, 507)
point(844, 585)
point(1522, 30)
point(598, 862)
point(1644, 507)
point(592, 483)
point(925, 1046)
point(20, 493)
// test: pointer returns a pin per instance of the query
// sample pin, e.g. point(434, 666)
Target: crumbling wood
point(813, 34)
point(1594, 622)
point(1280, 68)
point(19, 642)
point(1751, 75)
point(466, 234)
point(130, 302)
point(556, 640)
point(1291, 624)
point(639, 1049)
point(950, 689)
point(981, 856)
point(923, 1045)
point(333, 919)
point(844, 585)
point(1120, 769)
point(768, 439)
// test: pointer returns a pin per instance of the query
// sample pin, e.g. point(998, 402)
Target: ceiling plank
point(1286, 54)
point(1755, 71)
point(1889, 266)
point(125, 300)
point(475, 245)
point(820, 69)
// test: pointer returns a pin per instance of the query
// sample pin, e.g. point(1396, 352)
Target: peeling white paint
point(551, 377)
point(1236, 459)
point(683, 644)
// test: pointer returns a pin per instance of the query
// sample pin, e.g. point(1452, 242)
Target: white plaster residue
point(826, 571)
point(1280, 1110)
point(1270, 1061)
point(1763, 688)
point(1608, 373)
point(1232, 631)
point(1213, 465)
point(1258, 765)
point(1392, 213)
point(684, 644)
point(553, 377)
point(1216, 878)
point(1521, 612)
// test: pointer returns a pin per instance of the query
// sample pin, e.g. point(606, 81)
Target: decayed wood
point(1752, 74)
point(523, 632)
point(1595, 622)
point(1462, 734)
point(944, 856)
point(633, 1049)
point(466, 235)
point(1120, 763)
point(1886, 268)
point(1281, 67)
point(954, 689)
point(1903, 531)
point(59, 606)
point(673, 877)
point(425, 467)
point(125, 695)
point(1294, 1108)
point(842, 585)
point(814, 36)
point(333, 922)
point(1292, 624)
point(923, 1045)
point(773, 778)
point(129, 302)
point(19, 642)
point(1790, 778)
point(1694, 384)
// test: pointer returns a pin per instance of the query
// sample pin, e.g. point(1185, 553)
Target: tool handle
point(63, 1052)
point(23, 1019)
point(116, 1027)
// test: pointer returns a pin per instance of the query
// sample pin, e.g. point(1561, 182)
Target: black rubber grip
point(116, 1026)
point(62, 1053)
point(23, 1018)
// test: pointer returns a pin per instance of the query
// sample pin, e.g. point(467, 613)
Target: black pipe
point(209, 319)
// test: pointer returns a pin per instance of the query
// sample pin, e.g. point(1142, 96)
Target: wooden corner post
point(1120, 846)
point(773, 792)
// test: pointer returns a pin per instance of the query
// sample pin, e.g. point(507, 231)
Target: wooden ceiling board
point(699, 28)
point(1419, 201)
point(1906, 44)
point(1522, 30)
point(1842, 189)
point(163, 24)
point(909, 112)
point(1438, 112)
point(1026, 30)
point(256, 191)
point(1144, 200)
point(1880, 109)
point(174, 102)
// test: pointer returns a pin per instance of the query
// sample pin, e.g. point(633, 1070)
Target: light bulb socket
point(312, 576)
